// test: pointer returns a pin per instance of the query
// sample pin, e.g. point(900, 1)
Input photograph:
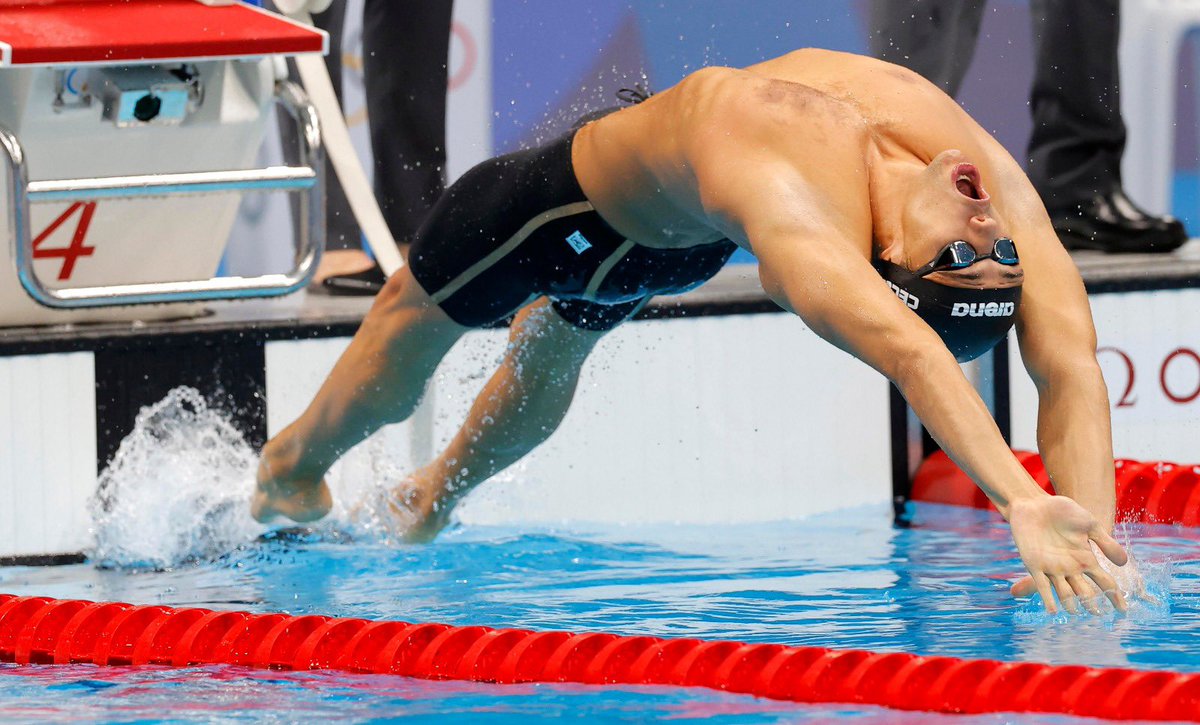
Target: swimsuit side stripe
point(531, 226)
point(606, 267)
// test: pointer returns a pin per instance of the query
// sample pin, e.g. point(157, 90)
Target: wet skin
point(816, 162)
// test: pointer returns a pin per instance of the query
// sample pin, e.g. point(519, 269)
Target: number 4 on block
point(76, 248)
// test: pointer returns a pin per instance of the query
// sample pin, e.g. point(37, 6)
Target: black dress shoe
point(1113, 223)
point(366, 283)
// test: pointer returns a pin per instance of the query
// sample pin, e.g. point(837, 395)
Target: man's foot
point(1113, 223)
point(414, 511)
point(299, 501)
point(347, 272)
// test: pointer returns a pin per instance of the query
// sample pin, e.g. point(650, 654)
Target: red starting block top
point(73, 32)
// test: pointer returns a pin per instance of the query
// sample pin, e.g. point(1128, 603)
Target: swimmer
point(881, 214)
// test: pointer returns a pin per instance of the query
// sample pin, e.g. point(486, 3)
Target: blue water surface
point(847, 579)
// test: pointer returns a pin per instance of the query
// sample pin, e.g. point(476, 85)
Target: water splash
point(366, 499)
point(1146, 586)
point(177, 489)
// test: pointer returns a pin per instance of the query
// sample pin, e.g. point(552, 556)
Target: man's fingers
point(1108, 585)
point(1085, 591)
point(1082, 586)
point(1109, 546)
point(1023, 588)
point(1066, 595)
point(1043, 588)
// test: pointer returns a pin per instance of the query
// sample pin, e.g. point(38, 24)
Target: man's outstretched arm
point(1074, 433)
point(813, 261)
point(1058, 346)
point(833, 289)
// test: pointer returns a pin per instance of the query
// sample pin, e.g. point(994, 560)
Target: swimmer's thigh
point(467, 256)
point(544, 341)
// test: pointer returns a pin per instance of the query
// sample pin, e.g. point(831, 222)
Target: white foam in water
point(1146, 586)
point(177, 490)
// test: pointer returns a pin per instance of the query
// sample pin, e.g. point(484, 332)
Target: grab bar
point(306, 180)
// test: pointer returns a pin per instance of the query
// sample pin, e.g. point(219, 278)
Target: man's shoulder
point(709, 80)
point(744, 99)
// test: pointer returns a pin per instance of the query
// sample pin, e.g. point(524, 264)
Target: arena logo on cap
point(980, 309)
point(905, 296)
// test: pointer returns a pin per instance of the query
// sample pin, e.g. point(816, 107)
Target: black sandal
point(361, 284)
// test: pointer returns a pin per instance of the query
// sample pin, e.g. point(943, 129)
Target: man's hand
point(1052, 535)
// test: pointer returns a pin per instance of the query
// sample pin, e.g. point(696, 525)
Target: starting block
point(130, 129)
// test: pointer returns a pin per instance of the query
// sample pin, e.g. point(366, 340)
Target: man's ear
point(891, 250)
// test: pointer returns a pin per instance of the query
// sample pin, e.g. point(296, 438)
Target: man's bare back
point(657, 171)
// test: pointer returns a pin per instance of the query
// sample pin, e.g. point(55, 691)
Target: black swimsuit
point(518, 227)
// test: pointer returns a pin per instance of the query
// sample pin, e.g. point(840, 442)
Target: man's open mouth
point(966, 180)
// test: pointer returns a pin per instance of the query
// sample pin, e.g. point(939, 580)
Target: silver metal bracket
point(307, 180)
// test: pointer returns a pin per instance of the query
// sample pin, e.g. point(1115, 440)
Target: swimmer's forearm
point(838, 296)
point(961, 424)
point(1075, 438)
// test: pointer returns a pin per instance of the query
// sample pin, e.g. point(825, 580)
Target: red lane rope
point(1155, 492)
point(38, 630)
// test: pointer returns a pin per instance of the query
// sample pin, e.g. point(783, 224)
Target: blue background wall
point(554, 60)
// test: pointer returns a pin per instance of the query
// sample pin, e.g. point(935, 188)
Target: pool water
point(226, 694)
point(847, 579)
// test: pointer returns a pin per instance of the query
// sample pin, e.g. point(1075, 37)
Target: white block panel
point(295, 370)
point(1149, 349)
point(47, 452)
point(738, 418)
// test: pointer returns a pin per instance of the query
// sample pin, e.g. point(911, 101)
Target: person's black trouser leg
point(935, 38)
point(405, 56)
point(1078, 135)
point(341, 228)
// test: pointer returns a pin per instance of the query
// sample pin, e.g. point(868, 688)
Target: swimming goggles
point(960, 255)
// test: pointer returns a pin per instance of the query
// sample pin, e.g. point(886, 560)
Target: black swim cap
point(969, 321)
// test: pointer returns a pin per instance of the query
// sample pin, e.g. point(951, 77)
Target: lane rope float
point(41, 630)
point(1154, 492)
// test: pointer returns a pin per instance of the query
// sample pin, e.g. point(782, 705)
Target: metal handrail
point(310, 232)
point(272, 178)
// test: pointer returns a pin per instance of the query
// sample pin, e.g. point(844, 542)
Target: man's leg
point(1078, 135)
point(379, 379)
point(935, 38)
point(519, 408)
point(343, 246)
point(406, 48)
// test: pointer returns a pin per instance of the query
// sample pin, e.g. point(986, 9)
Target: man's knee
point(399, 289)
point(404, 299)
